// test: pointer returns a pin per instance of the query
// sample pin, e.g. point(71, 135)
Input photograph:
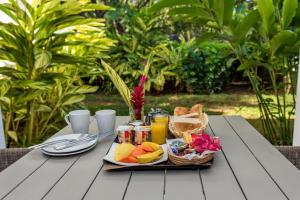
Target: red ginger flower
point(204, 142)
point(137, 98)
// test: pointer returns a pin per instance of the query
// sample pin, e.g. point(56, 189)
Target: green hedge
point(206, 69)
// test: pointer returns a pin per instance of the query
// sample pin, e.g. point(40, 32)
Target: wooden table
point(248, 167)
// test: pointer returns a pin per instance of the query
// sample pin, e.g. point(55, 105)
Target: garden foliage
point(176, 57)
point(270, 26)
point(46, 49)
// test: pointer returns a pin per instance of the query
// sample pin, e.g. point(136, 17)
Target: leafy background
point(52, 52)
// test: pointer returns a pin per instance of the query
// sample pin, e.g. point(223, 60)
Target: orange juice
point(159, 128)
point(158, 132)
point(161, 118)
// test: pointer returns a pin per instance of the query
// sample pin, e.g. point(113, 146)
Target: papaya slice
point(129, 159)
point(147, 148)
point(138, 151)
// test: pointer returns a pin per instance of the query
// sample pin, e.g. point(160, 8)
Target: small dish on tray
point(110, 157)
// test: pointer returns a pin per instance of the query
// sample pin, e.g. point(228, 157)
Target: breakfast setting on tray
point(164, 141)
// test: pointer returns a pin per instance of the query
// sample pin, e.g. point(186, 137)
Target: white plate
point(70, 153)
point(78, 147)
point(110, 157)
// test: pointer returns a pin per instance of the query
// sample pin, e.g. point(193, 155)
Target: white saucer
point(79, 148)
point(70, 153)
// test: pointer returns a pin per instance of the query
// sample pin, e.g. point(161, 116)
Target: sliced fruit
point(150, 157)
point(138, 151)
point(123, 150)
point(147, 149)
point(130, 159)
point(152, 145)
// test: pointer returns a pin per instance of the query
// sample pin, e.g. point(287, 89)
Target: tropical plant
point(207, 68)
point(45, 50)
point(273, 26)
point(135, 100)
point(138, 35)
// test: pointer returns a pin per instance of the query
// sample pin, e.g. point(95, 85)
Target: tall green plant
point(272, 25)
point(45, 50)
point(138, 34)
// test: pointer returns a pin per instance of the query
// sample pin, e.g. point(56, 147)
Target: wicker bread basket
point(180, 160)
point(203, 124)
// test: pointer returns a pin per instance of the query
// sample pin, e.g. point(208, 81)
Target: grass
point(214, 104)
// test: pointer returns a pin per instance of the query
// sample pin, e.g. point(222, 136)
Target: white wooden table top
point(248, 167)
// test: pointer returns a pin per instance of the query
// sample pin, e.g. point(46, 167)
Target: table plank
point(84, 171)
point(12, 176)
point(42, 180)
point(183, 184)
point(219, 177)
point(286, 175)
point(252, 177)
point(20, 170)
point(109, 185)
point(146, 185)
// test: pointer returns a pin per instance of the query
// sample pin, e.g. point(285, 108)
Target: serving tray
point(162, 166)
point(107, 166)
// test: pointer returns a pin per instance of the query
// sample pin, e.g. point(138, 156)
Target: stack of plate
point(78, 147)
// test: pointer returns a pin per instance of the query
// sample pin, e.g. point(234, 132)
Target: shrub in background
point(206, 69)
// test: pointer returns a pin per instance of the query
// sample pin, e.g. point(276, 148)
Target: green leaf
point(118, 83)
point(249, 64)
point(244, 26)
point(288, 12)
point(218, 6)
point(42, 59)
point(266, 11)
point(13, 135)
point(191, 11)
point(83, 89)
point(71, 99)
point(206, 37)
point(157, 7)
point(43, 108)
point(282, 39)
point(228, 11)
point(39, 85)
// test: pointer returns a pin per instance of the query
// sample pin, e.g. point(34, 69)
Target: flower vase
point(136, 114)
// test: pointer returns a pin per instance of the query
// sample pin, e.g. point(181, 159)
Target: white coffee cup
point(79, 120)
point(106, 120)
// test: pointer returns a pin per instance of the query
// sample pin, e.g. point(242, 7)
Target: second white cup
point(106, 120)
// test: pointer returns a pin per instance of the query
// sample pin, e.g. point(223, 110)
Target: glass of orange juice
point(159, 128)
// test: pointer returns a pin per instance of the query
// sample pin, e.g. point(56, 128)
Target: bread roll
point(180, 111)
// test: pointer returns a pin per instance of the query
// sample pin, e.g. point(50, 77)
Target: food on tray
point(150, 157)
point(187, 137)
point(159, 132)
point(181, 111)
point(193, 149)
point(187, 120)
point(205, 142)
point(124, 134)
point(195, 144)
point(151, 145)
point(142, 134)
point(123, 151)
point(133, 134)
point(145, 153)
